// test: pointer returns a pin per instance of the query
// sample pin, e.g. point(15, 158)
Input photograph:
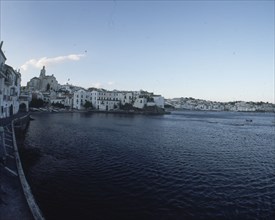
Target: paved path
point(13, 204)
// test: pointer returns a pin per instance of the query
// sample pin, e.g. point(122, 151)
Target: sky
point(213, 50)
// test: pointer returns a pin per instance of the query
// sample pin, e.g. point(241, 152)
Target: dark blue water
point(212, 165)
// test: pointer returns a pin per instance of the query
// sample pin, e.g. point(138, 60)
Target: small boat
point(248, 120)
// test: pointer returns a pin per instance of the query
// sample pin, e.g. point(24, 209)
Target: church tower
point(42, 73)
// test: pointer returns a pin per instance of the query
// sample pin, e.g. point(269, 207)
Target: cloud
point(97, 85)
point(45, 61)
point(110, 83)
point(102, 85)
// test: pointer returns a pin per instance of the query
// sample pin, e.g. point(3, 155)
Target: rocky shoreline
point(128, 112)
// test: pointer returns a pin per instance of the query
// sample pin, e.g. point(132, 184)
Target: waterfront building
point(94, 94)
point(136, 94)
point(126, 97)
point(140, 102)
point(68, 101)
point(159, 100)
point(65, 97)
point(79, 98)
point(108, 100)
point(244, 107)
point(10, 80)
point(59, 100)
point(149, 99)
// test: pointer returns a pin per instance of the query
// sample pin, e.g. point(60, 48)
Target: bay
point(186, 165)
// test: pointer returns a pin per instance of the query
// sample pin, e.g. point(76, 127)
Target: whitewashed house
point(68, 102)
point(125, 97)
point(60, 100)
point(149, 100)
point(136, 94)
point(244, 107)
point(94, 98)
point(79, 98)
point(10, 80)
point(107, 100)
point(159, 100)
point(140, 102)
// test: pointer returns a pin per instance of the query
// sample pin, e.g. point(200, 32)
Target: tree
point(58, 105)
point(88, 105)
point(37, 103)
point(126, 106)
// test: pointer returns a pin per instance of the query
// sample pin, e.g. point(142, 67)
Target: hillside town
point(46, 88)
point(45, 93)
point(204, 105)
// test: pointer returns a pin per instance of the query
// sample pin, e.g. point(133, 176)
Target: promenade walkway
point(13, 203)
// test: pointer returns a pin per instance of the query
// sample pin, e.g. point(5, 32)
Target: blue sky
point(214, 50)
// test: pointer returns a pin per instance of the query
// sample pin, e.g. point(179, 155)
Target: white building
point(79, 98)
point(94, 98)
point(108, 100)
point(10, 80)
point(149, 100)
point(140, 102)
point(159, 100)
point(126, 97)
point(66, 88)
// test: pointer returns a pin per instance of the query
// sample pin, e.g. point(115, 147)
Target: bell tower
point(42, 73)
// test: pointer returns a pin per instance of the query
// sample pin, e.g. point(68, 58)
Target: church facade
point(43, 83)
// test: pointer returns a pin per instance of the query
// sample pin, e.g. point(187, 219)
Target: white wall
point(159, 100)
point(80, 96)
point(140, 103)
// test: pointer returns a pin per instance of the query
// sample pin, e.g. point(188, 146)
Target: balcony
point(7, 98)
point(14, 94)
point(8, 81)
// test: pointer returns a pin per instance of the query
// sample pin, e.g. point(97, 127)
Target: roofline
point(2, 51)
point(3, 54)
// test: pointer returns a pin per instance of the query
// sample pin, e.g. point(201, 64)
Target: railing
point(36, 212)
